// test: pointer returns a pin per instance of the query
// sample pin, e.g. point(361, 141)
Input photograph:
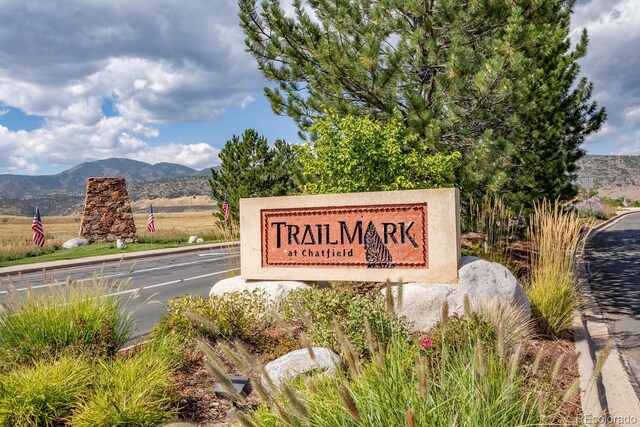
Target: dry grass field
point(15, 231)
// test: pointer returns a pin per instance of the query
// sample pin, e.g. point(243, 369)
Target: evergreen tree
point(492, 80)
point(251, 168)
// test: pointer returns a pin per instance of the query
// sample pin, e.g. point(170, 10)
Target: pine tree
point(251, 168)
point(490, 79)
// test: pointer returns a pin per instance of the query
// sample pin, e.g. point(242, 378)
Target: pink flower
point(426, 342)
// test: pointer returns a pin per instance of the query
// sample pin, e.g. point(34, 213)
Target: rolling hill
point(612, 176)
point(63, 194)
point(73, 181)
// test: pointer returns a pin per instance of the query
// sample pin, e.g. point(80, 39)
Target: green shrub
point(136, 391)
point(44, 394)
point(44, 325)
point(556, 240)
point(461, 331)
point(236, 315)
point(324, 307)
point(472, 386)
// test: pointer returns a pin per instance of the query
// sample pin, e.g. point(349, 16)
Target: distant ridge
point(73, 181)
point(613, 175)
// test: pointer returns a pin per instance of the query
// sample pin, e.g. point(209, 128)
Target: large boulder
point(482, 280)
point(300, 362)
point(421, 303)
point(193, 239)
point(274, 290)
point(479, 279)
point(74, 243)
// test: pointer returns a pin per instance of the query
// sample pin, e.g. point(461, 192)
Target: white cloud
point(612, 64)
point(157, 61)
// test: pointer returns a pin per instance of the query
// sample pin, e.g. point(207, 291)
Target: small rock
point(120, 244)
point(129, 240)
point(193, 239)
point(200, 240)
point(273, 290)
point(299, 362)
point(74, 243)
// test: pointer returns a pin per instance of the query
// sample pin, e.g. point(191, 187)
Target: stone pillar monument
point(107, 212)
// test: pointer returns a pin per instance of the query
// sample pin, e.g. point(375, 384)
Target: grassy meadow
point(172, 229)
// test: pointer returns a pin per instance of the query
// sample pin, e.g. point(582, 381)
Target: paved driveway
point(613, 261)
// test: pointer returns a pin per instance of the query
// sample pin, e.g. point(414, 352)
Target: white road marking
point(172, 282)
point(57, 283)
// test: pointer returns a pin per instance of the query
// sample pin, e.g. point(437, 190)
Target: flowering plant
point(426, 342)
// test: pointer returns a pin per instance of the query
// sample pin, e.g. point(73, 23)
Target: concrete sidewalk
point(608, 398)
point(30, 268)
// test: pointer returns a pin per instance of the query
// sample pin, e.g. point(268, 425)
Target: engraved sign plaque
point(400, 235)
point(384, 236)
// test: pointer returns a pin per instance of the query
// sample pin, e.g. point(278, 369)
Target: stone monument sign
point(410, 236)
point(107, 215)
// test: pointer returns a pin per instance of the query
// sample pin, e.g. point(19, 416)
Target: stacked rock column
point(107, 212)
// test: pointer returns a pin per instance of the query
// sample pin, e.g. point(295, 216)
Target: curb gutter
point(78, 262)
point(610, 397)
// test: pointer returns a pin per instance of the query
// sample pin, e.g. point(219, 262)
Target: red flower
point(426, 342)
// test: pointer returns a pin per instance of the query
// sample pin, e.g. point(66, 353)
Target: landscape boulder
point(74, 243)
point(120, 244)
point(479, 279)
point(193, 239)
point(300, 362)
point(199, 240)
point(273, 290)
point(421, 303)
point(484, 280)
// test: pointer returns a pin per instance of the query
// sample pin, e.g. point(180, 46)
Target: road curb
point(608, 397)
point(79, 262)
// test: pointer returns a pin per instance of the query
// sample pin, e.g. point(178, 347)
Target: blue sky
point(161, 80)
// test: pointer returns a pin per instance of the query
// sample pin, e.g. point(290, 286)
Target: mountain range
point(73, 181)
point(62, 194)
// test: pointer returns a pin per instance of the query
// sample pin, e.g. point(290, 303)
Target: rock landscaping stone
point(107, 214)
point(479, 279)
point(483, 280)
point(120, 244)
point(299, 362)
point(421, 303)
point(274, 290)
point(127, 241)
point(199, 240)
point(74, 243)
point(193, 239)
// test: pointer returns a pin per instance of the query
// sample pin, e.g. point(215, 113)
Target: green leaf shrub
point(355, 154)
point(325, 307)
point(235, 315)
point(47, 324)
point(44, 394)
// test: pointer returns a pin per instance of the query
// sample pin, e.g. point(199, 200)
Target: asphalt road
point(613, 261)
point(146, 283)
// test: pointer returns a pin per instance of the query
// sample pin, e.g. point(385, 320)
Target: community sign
point(397, 235)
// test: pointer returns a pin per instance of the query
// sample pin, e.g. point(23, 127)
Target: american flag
point(150, 224)
point(225, 209)
point(38, 231)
